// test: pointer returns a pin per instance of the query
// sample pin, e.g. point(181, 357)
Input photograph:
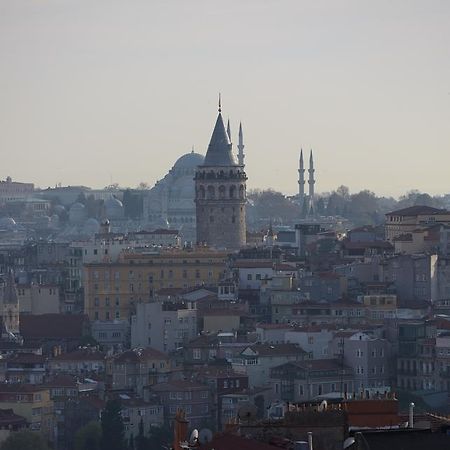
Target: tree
point(88, 437)
point(160, 437)
point(113, 430)
point(24, 440)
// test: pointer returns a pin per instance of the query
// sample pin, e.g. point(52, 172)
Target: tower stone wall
point(220, 200)
point(221, 194)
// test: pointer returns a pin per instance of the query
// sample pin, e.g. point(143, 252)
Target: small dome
point(189, 161)
point(77, 213)
point(114, 208)
point(7, 223)
point(91, 226)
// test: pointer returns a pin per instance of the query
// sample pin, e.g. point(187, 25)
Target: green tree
point(88, 437)
point(25, 440)
point(113, 430)
point(160, 437)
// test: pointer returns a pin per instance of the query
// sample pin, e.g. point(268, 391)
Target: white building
point(164, 326)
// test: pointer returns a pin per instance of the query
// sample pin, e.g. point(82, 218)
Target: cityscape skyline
point(297, 76)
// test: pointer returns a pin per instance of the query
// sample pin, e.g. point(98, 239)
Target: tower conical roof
point(219, 149)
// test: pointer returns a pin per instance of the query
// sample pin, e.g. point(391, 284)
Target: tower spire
point(220, 103)
point(241, 155)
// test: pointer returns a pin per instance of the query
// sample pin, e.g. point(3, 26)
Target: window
point(173, 396)
point(204, 394)
point(197, 353)
point(249, 277)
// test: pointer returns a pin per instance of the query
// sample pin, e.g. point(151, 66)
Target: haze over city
point(101, 91)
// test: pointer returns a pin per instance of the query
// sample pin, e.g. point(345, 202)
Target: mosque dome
point(114, 208)
point(77, 213)
point(188, 161)
point(7, 223)
point(91, 226)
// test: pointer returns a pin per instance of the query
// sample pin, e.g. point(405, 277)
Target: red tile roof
point(62, 326)
point(81, 355)
point(139, 354)
point(277, 349)
point(417, 210)
point(230, 441)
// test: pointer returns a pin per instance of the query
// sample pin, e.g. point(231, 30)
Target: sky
point(101, 91)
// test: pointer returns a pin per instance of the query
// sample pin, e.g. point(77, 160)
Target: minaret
point(301, 178)
point(241, 155)
point(229, 129)
point(311, 182)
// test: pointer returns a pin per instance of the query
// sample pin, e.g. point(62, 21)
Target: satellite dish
point(348, 442)
point(205, 435)
point(323, 406)
point(247, 412)
point(194, 436)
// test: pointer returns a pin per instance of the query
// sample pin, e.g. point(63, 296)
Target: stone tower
point(220, 194)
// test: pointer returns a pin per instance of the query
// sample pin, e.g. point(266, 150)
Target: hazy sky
point(95, 90)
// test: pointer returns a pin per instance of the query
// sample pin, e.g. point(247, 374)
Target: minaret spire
point(241, 155)
point(301, 178)
point(311, 182)
point(229, 129)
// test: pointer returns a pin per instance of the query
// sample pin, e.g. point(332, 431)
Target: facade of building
point(12, 190)
point(368, 356)
point(135, 369)
point(31, 402)
point(113, 289)
point(256, 360)
point(38, 299)
point(165, 326)
point(220, 194)
point(193, 398)
point(407, 220)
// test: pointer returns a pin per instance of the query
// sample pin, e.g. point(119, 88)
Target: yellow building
point(407, 220)
point(31, 402)
point(112, 289)
point(379, 307)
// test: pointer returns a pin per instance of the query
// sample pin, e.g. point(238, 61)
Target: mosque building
point(170, 203)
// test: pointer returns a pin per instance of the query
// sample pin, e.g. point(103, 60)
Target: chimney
point(180, 429)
